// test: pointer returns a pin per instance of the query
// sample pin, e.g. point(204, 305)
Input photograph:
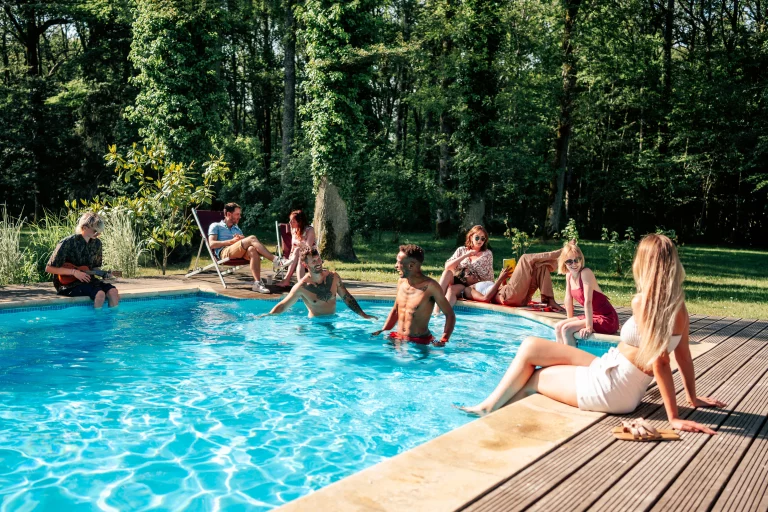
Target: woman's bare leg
point(453, 293)
point(445, 281)
point(565, 329)
point(533, 352)
point(551, 382)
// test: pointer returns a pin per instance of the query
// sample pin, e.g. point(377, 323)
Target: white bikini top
point(631, 335)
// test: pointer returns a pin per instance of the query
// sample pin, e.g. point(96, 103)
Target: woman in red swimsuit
point(581, 285)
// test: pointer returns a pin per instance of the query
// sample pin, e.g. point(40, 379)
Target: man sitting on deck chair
point(228, 241)
point(318, 288)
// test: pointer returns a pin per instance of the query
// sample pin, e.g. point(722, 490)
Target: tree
point(181, 102)
point(336, 35)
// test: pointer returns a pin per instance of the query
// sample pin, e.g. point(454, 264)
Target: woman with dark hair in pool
point(469, 264)
point(302, 234)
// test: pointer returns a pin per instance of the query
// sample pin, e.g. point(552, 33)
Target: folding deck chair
point(284, 242)
point(204, 219)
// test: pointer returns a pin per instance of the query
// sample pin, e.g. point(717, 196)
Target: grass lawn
point(720, 281)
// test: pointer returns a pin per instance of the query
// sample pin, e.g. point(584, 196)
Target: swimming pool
point(194, 403)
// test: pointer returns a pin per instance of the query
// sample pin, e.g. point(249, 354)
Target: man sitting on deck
point(417, 294)
point(318, 289)
point(228, 241)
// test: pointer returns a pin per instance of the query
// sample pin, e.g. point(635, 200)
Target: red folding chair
point(204, 219)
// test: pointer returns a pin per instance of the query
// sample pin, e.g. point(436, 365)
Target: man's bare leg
point(113, 297)
point(253, 256)
point(252, 241)
point(98, 301)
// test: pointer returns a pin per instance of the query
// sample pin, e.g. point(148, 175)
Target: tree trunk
point(442, 217)
point(289, 99)
point(331, 224)
point(666, 99)
point(564, 123)
point(268, 97)
point(474, 215)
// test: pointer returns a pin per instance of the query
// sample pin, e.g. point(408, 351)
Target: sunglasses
point(573, 261)
point(479, 238)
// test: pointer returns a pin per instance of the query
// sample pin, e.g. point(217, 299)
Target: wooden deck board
point(747, 489)
point(557, 480)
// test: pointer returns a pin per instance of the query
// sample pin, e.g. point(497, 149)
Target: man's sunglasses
point(479, 238)
point(573, 261)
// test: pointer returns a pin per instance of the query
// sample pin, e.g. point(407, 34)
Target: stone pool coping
point(447, 471)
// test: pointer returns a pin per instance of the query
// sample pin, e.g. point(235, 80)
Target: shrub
point(122, 245)
point(570, 232)
point(669, 233)
point(46, 233)
point(16, 265)
point(521, 241)
point(620, 252)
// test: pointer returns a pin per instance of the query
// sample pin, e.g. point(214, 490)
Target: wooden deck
point(726, 472)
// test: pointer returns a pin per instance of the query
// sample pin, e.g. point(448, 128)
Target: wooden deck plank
point(659, 468)
point(702, 480)
point(703, 332)
point(747, 490)
point(533, 482)
point(726, 332)
point(612, 467)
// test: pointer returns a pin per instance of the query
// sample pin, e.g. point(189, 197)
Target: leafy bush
point(570, 232)
point(16, 265)
point(669, 233)
point(166, 192)
point(521, 241)
point(620, 252)
point(122, 245)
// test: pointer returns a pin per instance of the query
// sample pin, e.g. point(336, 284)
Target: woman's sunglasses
point(479, 238)
point(574, 261)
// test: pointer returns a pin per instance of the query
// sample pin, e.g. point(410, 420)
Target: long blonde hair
point(659, 279)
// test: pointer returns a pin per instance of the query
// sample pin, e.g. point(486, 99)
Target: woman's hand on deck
point(691, 426)
point(705, 401)
point(586, 332)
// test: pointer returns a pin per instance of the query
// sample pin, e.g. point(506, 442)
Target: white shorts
point(483, 286)
point(611, 384)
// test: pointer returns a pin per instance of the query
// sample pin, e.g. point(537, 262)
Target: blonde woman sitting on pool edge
point(616, 382)
point(580, 284)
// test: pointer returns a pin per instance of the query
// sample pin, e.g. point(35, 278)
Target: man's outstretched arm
point(350, 301)
point(445, 307)
point(288, 301)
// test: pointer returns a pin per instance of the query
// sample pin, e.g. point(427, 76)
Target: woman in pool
point(616, 382)
point(301, 234)
point(580, 284)
point(469, 264)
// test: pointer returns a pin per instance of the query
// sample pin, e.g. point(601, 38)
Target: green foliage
point(176, 49)
point(569, 232)
point(669, 233)
point(46, 232)
point(620, 251)
point(166, 192)
point(521, 241)
point(122, 245)
point(16, 264)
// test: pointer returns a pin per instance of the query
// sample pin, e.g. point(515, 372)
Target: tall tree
point(182, 101)
point(337, 35)
point(564, 124)
point(289, 94)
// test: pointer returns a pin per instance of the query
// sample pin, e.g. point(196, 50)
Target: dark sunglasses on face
point(479, 238)
point(574, 261)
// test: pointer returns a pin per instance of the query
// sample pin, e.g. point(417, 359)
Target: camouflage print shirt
point(75, 250)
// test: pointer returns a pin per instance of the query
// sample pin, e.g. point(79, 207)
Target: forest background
point(403, 115)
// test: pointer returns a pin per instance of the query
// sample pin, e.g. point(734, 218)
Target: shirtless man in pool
point(318, 289)
point(417, 294)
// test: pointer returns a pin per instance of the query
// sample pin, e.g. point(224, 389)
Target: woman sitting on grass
point(616, 382)
point(470, 264)
point(580, 284)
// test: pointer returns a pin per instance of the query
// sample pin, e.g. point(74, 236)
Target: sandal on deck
point(640, 430)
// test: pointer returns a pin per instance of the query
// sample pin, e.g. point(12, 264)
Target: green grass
point(720, 281)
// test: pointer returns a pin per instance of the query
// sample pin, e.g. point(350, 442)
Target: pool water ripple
point(197, 403)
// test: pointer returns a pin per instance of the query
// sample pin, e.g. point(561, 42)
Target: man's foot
point(258, 287)
point(555, 307)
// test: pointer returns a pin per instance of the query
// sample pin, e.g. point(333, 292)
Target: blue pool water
point(196, 404)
